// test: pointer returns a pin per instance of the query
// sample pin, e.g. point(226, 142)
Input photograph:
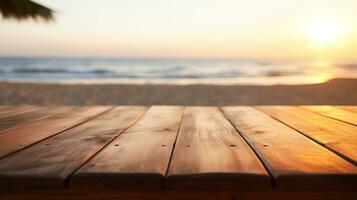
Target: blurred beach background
point(170, 71)
point(182, 52)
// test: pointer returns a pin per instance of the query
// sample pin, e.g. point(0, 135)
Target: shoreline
point(269, 81)
point(333, 92)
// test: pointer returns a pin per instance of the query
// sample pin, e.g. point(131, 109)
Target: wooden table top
point(279, 149)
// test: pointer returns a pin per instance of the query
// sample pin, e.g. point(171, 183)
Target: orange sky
point(275, 29)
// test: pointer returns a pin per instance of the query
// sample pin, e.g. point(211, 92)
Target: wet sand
point(333, 92)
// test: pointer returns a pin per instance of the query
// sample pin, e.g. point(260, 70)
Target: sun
point(325, 32)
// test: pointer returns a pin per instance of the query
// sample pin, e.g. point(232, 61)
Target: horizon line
point(170, 58)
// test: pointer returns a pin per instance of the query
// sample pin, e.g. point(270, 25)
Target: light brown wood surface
point(349, 108)
point(335, 113)
point(47, 164)
point(335, 135)
point(6, 111)
point(210, 154)
point(178, 152)
point(296, 162)
point(22, 118)
point(21, 137)
point(138, 158)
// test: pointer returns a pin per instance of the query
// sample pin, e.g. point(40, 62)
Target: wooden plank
point(124, 195)
point(6, 111)
point(137, 159)
point(335, 113)
point(210, 154)
point(173, 195)
point(337, 136)
point(295, 162)
point(349, 108)
point(24, 118)
point(48, 163)
point(21, 137)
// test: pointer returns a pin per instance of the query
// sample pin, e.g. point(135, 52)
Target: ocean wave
point(26, 70)
point(147, 73)
point(54, 71)
point(64, 69)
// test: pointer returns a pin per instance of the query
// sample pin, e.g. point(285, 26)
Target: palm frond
point(24, 9)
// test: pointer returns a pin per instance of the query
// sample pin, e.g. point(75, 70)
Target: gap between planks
point(58, 124)
point(334, 135)
point(174, 144)
point(307, 165)
point(334, 112)
point(48, 163)
point(145, 150)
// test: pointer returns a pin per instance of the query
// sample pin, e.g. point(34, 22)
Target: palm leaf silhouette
point(24, 9)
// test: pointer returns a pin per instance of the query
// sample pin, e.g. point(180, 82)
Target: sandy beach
point(334, 92)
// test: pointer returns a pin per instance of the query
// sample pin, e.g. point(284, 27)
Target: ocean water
point(170, 71)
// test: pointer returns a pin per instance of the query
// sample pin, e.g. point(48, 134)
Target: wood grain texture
point(210, 154)
point(349, 108)
point(100, 157)
point(138, 158)
point(6, 111)
point(21, 137)
point(296, 162)
point(27, 117)
point(335, 113)
point(337, 136)
point(48, 163)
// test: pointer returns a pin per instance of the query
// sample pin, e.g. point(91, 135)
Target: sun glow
point(325, 33)
point(323, 64)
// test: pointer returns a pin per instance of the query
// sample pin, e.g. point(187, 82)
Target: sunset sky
point(274, 29)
